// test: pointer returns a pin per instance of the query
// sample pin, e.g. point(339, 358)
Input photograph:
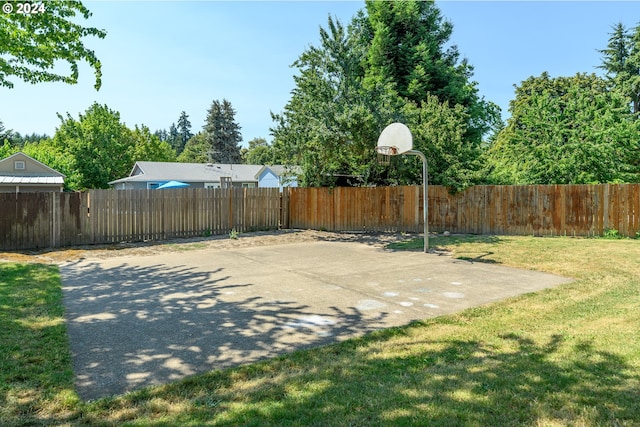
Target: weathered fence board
point(39, 220)
point(544, 210)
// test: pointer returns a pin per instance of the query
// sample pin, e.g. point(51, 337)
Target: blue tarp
point(172, 184)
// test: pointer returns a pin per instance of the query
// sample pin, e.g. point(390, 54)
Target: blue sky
point(160, 58)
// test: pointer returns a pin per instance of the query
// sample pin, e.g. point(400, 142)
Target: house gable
point(137, 170)
point(278, 176)
point(20, 164)
point(267, 178)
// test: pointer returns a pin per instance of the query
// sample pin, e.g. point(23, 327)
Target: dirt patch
point(243, 240)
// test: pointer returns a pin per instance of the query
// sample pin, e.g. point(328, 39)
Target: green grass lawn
point(36, 378)
point(568, 356)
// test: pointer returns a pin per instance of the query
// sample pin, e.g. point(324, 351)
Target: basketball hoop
point(387, 150)
point(396, 139)
point(384, 160)
point(385, 153)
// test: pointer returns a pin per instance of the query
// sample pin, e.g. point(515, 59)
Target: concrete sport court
point(143, 320)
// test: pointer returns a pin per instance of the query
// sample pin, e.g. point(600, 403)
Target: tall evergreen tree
point(223, 133)
point(21, 140)
point(184, 132)
point(390, 64)
point(621, 62)
point(615, 56)
point(173, 137)
point(5, 134)
point(162, 135)
point(410, 51)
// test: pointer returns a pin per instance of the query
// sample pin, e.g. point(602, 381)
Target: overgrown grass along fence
point(543, 210)
point(39, 220)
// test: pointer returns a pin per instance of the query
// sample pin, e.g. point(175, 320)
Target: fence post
point(231, 209)
point(55, 219)
point(284, 208)
point(605, 215)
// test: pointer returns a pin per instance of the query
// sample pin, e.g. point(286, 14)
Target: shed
point(22, 173)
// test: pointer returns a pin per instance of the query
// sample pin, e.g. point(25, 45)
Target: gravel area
point(223, 242)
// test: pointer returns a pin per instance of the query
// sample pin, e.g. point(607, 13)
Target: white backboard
point(395, 139)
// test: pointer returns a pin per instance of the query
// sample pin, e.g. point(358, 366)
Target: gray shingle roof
point(190, 172)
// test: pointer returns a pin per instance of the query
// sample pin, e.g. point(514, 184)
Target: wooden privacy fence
point(37, 220)
point(580, 210)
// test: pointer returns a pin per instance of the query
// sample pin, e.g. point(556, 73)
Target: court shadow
point(131, 326)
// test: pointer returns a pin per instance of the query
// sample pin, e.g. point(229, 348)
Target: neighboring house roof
point(190, 172)
point(13, 180)
point(35, 172)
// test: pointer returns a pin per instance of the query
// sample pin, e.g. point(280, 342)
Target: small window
point(152, 185)
point(211, 185)
point(249, 184)
point(19, 165)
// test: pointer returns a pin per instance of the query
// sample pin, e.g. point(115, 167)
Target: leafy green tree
point(47, 152)
point(98, 145)
point(566, 130)
point(6, 149)
point(98, 148)
point(197, 150)
point(33, 46)
point(148, 147)
point(184, 132)
point(330, 125)
point(222, 133)
point(12, 142)
point(40, 147)
point(439, 132)
point(633, 89)
point(259, 152)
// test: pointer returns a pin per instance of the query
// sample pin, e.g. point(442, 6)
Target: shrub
point(612, 233)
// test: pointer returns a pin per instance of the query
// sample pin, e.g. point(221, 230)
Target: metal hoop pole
point(425, 195)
